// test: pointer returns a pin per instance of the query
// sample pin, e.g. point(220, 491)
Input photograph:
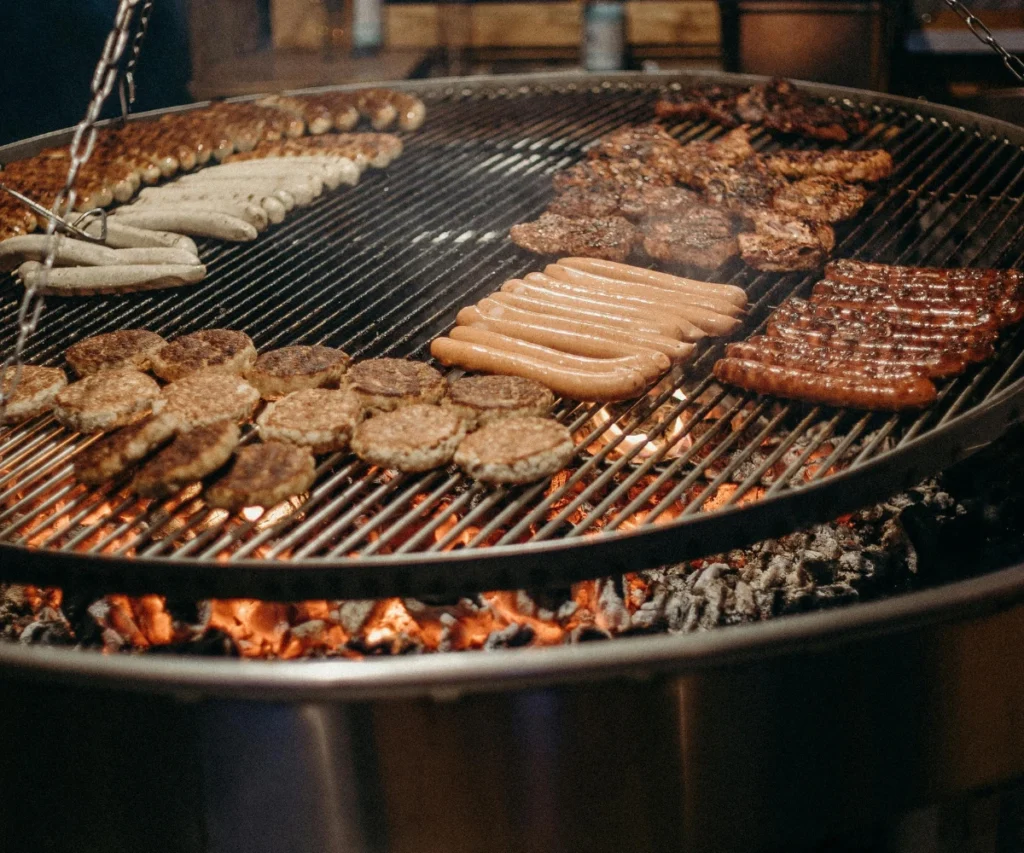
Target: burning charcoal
point(51, 631)
point(510, 637)
point(352, 615)
point(613, 608)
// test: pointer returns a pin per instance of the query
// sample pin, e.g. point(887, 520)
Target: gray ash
point(969, 520)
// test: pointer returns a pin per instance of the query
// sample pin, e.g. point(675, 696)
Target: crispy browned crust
point(821, 199)
point(516, 450)
point(106, 400)
point(215, 349)
point(413, 438)
point(318, 418)
point(611, 238)
point(482, 399)
point(192, 456)
point(37, 388)
point(387, 383)
point(282, 371)
point(114, 454)
point(123, 348)
point(208, 396)
point(701, 237)
point(263, 475)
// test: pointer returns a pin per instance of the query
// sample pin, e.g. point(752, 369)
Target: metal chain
point(1013, 63)
point(103, 80)
point(127, 84)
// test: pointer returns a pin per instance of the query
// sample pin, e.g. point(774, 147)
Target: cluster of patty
point(642, 192)
point(171, 411)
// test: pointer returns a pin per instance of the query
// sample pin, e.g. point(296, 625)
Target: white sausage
point(86, 281)
point(32, 247)
point(160, 255)
point(123, 236)
point(221, 226)
point(576, 384)
point(255, 215)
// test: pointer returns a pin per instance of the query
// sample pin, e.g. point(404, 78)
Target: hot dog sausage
point(575, 384)
point(858, 392)
point(674, 349)
point(601, 284)
point(707, 321)
point(625, 272)
point(542, 306)
point(481, 335)
point(650, 362)
point(686, 331)
point(936, 314)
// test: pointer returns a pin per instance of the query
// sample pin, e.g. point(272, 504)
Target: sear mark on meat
point(782, 243)
point(821, 199)
point(617, 173)
point(588, 201)
point(744, 189)
point(701, 237)
point(611, 238)
point(851, 166)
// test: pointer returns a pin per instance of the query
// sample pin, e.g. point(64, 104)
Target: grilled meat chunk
point(782, 243)
point(851, 166)
point(730, 150)
point(701, 236)
point(635, 203)
point(621, 174)
point(777, 105)
point(611, 238)
point(821, 199)
point(649, 144)
point(588, 202)
point(645, 202)
point(744, 189)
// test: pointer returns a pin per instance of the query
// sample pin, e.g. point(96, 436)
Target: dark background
point(49, 48)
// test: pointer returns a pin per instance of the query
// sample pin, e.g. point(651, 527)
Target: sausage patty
point(515, 450)
point(318, 418)
point(483, 399)
point(413, 438)
point(124, 348)
point(384, 384)
point(215, 349)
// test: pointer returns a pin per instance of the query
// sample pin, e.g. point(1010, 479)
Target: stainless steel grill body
point(384, 268)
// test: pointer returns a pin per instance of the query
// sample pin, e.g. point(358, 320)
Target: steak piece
point(821, 199)
point(611, 238)
point(589, 202)
point(646, 202)
point(701, 236)
point(649, 144)
point(744, 189)
point(713, 103)
point(784, 243)
point(850, 166)
point(634, 203)
point(730, 150)
point(616, 174)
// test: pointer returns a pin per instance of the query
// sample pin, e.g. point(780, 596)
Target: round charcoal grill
point(383, 268)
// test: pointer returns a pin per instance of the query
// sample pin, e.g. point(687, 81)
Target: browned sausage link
point(691, 331)
point(945, 314)
point(555, 309)
point(858, 319)
point(534, 291)
point(856, 272)
point(875, 337)
point(857, 392)
point(626, 272)
point(482, 335)
point(892, 293)
point(575, 384)
point(675, 350)
point(824, 358)
point(886, 348)
point(601, 284)
point(581, 343)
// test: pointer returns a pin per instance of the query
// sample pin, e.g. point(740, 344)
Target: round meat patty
point(384, 384)
point(207, 397)
point(106, 400)
point(482, 399)
point(192, 456)
point(515, 450)
point(322, 420)
point(125, 348)
point(114, 454)
point(264, 475)
point(281, 371)
point(210, 349)
point(412, 438)
point(37, 388)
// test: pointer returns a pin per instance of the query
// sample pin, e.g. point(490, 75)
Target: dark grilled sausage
point(845, 361)
point(860, 271)
point(857, 392)
point(927, 298)
point(936, 314)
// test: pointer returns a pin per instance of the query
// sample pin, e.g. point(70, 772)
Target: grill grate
point(384, 267)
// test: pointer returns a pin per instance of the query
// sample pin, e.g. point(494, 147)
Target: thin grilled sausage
point(626, 272)
point(602, 284)
point(542, 306)
point(707, 321)
point(575, 384)
point(588, 344)
point(675, 350)
point(481, 335)
point(857, 392)
point(517, 287)
point(863, 271)
point(824, 358)
point(936, 314)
